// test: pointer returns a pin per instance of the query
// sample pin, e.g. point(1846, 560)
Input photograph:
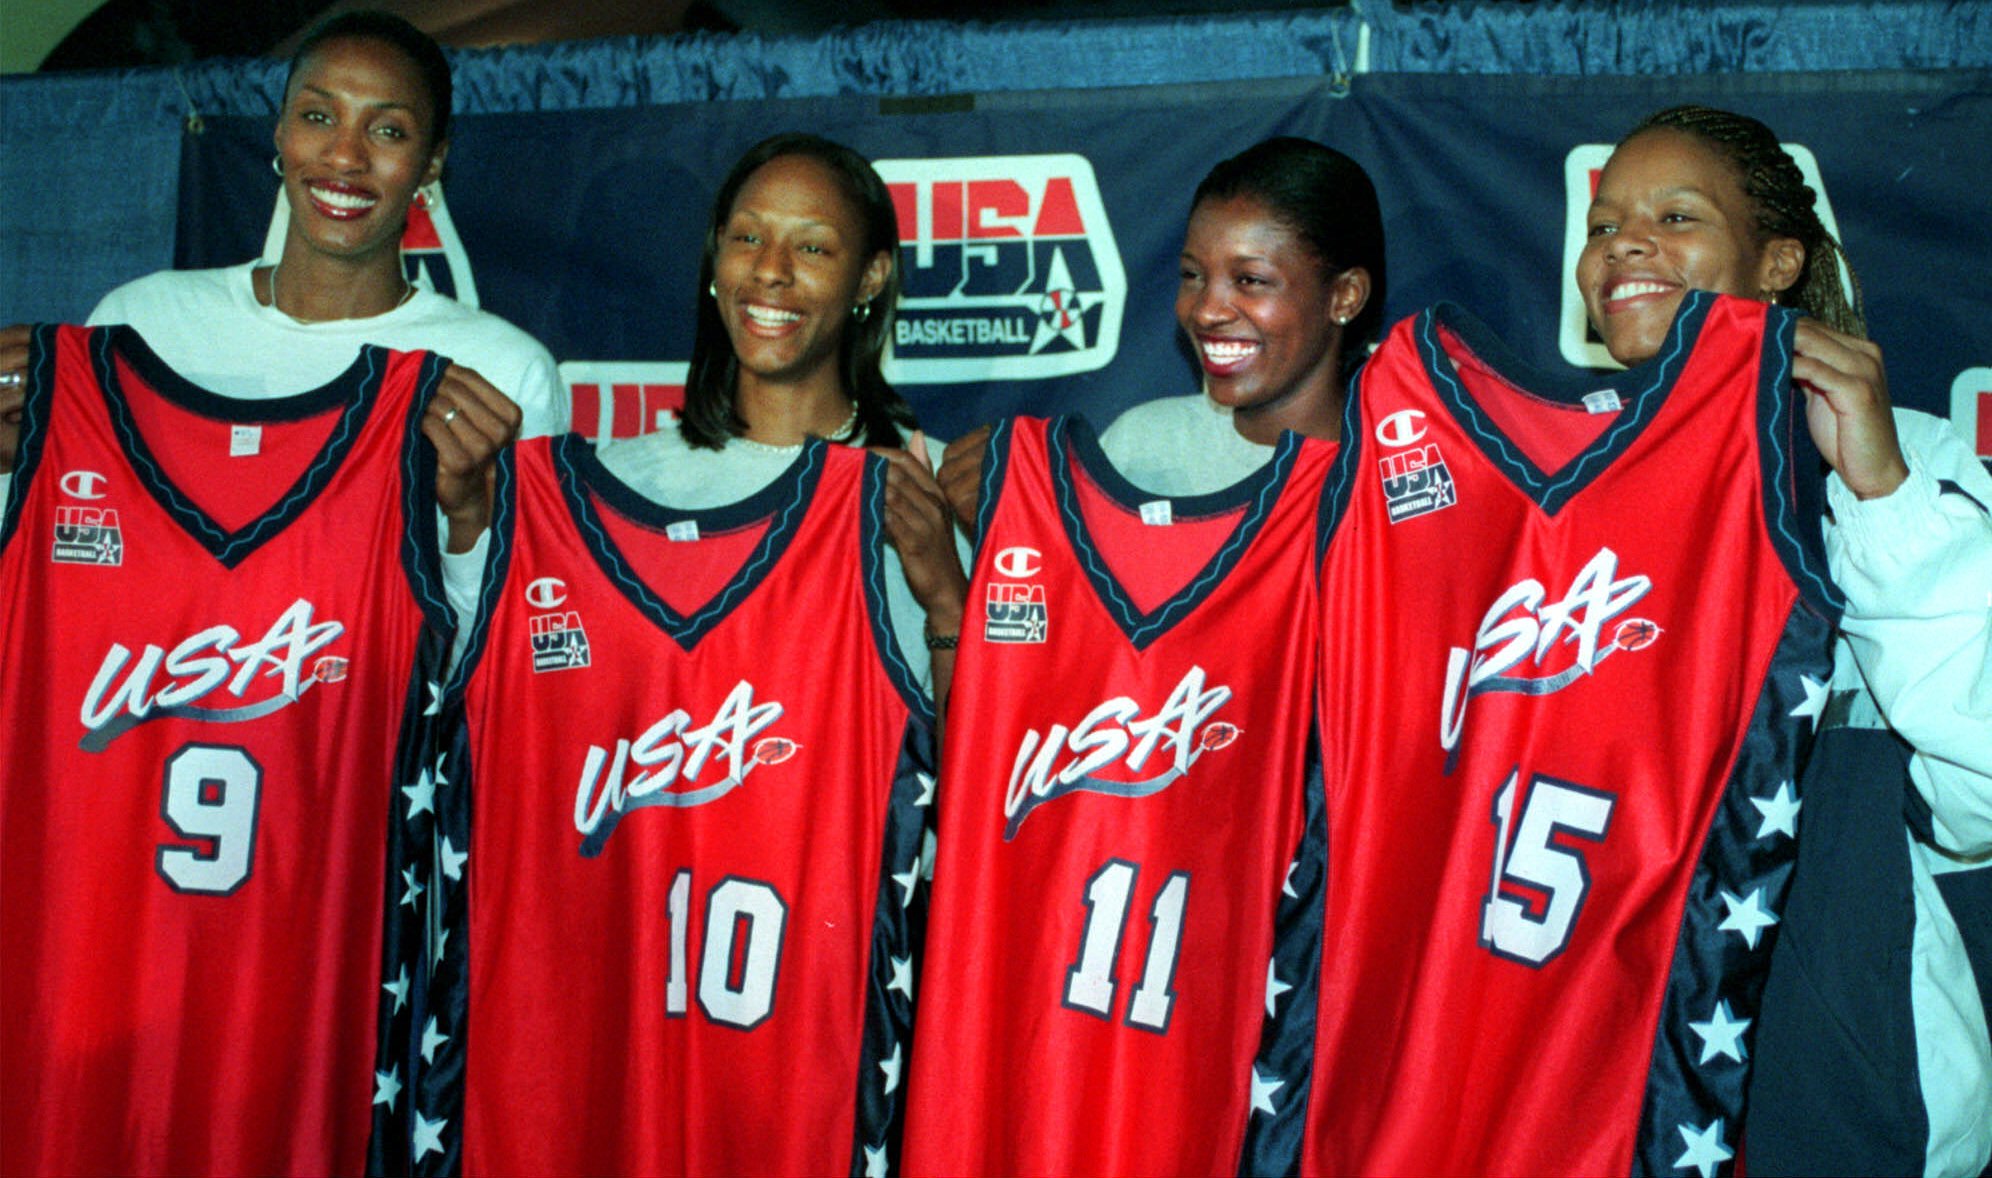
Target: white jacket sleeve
point(1916, 567)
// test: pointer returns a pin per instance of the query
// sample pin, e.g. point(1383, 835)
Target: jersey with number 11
point(1123, 793)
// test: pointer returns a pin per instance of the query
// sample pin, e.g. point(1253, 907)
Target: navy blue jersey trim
point(995, 466)
point(39, 390)
point(421, 550)
point(497, 566)
point(783, 503)
point(1642, 390)
point(871, 558)
point(356, 390)
point(1337, 487)
point(1794, 472)
point(1070, 439)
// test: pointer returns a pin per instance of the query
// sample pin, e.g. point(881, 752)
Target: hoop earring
point(277, 165)
point(1771, 297)
point(429, 196)
point(712, 288)
point(861, 311)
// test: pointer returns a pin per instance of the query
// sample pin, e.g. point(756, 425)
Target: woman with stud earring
point(797, 289)
point(362, 135)
point(1280, 294)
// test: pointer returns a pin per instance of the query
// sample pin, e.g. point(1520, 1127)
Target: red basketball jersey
point(1575, 639)
point(697, 769)
point(213, 631)
point(1128, 741)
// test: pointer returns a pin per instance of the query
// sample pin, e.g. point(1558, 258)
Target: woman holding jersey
point(1871, 1053)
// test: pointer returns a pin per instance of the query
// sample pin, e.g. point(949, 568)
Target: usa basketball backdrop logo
point(1579, 344)
point(1009, 268)
point(431, 252)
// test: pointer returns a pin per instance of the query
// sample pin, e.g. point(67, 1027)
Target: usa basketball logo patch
point(1015, 612)
point(559, 642)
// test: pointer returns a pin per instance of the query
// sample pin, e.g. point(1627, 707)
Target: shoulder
point(174, 291)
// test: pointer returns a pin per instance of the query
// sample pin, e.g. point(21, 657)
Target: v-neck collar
point(352, 393)
point(782, 503)
point(1641, 390)
point(1070, 439)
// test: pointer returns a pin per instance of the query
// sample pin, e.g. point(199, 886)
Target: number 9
point(211, 794)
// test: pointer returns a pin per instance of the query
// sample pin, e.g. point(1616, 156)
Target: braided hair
point(1783, 204)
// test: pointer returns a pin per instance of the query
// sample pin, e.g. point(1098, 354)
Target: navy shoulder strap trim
point(1794, 472)
point(497, 563)
point(39, 389)
point(1341, 481)
point(421, 547)
point(871, 556)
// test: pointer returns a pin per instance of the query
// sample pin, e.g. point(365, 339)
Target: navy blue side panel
point(497, 565)
point(1968, 895)
point(898, 923)
point(438, 1039)
point(871, 559)
point(404, 903)
point(40, 394)
point(1794, 473)
point(1835, 1088)
point(421, 555)
point(1283, 1071)
point(1701, 1051)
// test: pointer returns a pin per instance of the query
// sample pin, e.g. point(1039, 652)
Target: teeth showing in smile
point(771, 317)
point(1627, 290)
point(344, 200)
point(1224, 351)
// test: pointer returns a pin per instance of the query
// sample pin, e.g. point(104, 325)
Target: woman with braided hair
point(1871, 1054)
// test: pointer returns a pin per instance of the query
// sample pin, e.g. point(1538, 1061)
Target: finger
point(461, 409)
point(468, 386)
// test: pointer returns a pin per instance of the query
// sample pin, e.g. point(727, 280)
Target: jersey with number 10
point(1123, 792)
point(213, 633)
point(1574, 649)
point(696, 766)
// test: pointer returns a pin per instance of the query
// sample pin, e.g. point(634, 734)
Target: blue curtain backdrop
point(1044, 172)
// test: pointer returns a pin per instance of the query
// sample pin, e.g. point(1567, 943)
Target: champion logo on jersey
point(1010, 269)
point(673, 753)
point(1529, 646)
point(1116, 738)
point(269, 674)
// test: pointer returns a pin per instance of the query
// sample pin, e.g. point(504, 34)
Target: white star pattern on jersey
point(1747, 917)
point(890, 1066)
point(387, 1086)
point(1780, 812)
point(428, 1136)
point(1274, 986)
point(1262, 1093)
point(1814, 705)
point(1705, 1148)
point(1722, 1034)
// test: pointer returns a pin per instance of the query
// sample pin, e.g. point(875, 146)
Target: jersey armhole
point(1337, 488)
point(497, 566)
point(421, 549)
point(995, 467)
point(39, 392)
point(1793, 470)
point(878, 604)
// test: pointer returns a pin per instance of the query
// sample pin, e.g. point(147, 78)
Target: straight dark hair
point(417, 46)
point(710, 416)
point(1327, 199)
